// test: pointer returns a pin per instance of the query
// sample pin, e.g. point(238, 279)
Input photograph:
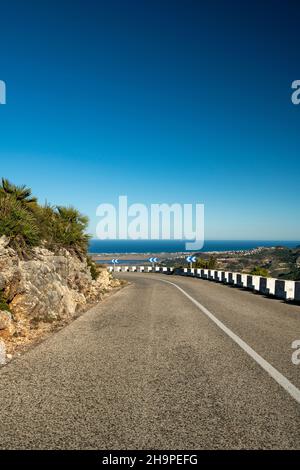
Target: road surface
point(148, 369)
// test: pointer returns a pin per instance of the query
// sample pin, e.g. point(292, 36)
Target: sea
point(178, 246)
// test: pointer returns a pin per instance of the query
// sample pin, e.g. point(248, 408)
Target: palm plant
point(26, 223)
point(70, 229)
point(17, 224)
point(20, 193)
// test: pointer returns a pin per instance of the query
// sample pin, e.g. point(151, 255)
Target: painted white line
point(274, 373)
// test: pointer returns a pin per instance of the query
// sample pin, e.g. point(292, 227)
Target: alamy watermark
point(154, 222)
point(295, 97)
point(2, 92)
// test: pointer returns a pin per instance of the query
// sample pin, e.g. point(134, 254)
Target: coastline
point(138, 249)
point(163, 256)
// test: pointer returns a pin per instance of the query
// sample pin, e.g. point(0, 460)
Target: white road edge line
point(274, 373)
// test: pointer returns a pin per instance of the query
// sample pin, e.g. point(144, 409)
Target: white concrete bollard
point(290, 290)
point(235, 278)
point(253, 282)
point(241, 280)
point(217, 276)
point(271, 285)
point(225, 277)
point(133, 269)
point(141, 269)
point(267, 285)
point(284, 289)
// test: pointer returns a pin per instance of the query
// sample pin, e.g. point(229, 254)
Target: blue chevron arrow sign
point(115, 261)
point(191, 259)
point(153, 260)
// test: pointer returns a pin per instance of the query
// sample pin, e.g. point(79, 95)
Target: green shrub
point(258, 271)
point(3, 304)
point(94, 269)
point(210, 263)
point(16, 223)
point(27, 224)
point(70, 229)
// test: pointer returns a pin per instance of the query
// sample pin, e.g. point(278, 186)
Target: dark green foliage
point(210, 263)
point(20, 193)
point(27, 224)
point(70, 227)
point(18, 224)
point(3, 303)
point(293, 275)
point(93, 268)
point(258, 271)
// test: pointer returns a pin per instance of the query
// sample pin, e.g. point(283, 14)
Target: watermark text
point(155, 222)
point(2, 92)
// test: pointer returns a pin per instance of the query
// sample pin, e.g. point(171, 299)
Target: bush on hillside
point(28, 224)
point(210, 263)
point(17, 224)
point(94, 269)
point(258, 271)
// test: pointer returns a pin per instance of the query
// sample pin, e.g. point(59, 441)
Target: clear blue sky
point(162, 101)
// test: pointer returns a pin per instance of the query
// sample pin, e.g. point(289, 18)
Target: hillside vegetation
point(46, 277)
point(279, 262)
point(27, 224)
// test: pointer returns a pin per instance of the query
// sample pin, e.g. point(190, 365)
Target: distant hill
point(280, 261)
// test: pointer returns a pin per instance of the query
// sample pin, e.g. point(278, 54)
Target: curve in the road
point(272, 371)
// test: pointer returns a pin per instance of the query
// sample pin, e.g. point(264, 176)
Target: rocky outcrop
point(46, 288)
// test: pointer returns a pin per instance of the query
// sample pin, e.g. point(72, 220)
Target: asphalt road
point(148, 369)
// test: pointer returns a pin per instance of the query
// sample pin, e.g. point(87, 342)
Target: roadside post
point(191, 260)
point(153, 261)
point(114, 262)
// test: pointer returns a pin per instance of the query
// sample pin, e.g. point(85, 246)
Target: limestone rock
point(5, 319)
point(2, 353)
point(46, 288)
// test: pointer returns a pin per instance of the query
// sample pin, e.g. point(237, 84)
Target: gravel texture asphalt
point(146, 369)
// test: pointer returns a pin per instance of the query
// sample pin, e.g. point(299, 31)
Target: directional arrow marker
point(191, 259)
